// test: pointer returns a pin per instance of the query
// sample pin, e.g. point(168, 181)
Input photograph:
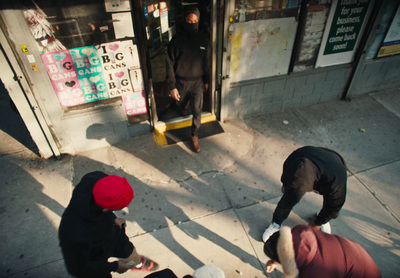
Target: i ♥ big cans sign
point(87, 74)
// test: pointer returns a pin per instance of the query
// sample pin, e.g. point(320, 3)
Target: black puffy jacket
point(310, 169)
point(85, 231)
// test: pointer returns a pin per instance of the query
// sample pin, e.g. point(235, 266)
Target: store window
point(276, 37)
point(89, 51)
point(344, 29)
point(311, 35)
point(387, 40)
point(262, 35)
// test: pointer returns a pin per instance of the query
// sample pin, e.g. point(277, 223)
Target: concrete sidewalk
point(212, 207)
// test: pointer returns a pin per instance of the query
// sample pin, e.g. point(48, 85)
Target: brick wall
point(376, 75)
point(269, 95)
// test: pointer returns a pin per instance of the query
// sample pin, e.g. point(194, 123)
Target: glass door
point(162, 20)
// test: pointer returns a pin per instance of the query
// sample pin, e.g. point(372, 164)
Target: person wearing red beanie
point(112, 192)
point(90, 232)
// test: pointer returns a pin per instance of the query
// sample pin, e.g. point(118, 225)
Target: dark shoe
point(147, 265)
point(196, 145)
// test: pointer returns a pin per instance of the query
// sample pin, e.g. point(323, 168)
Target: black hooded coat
point(188, 56)
point(88, 235)
point(310, 169)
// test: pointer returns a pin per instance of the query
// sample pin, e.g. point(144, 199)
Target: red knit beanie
point(112, 192)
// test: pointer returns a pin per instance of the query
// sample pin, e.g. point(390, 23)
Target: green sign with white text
point(346, 25)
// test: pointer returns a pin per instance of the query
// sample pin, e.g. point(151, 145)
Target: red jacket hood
point(306, 252)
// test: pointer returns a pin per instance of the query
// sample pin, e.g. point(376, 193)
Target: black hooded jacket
point(85, 232)
point(188, 57)
point(310, 169)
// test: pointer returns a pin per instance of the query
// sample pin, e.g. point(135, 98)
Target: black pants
point(120, 247)
point(192, 90)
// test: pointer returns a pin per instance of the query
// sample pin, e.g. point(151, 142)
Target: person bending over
point(310, 169)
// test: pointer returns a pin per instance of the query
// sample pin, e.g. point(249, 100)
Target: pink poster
point(135, 103)
point(61, 70)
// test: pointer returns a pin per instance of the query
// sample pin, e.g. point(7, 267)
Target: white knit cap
point(208, 271)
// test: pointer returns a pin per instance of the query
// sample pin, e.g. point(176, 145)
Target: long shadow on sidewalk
point(29, 216)
point(152, 210)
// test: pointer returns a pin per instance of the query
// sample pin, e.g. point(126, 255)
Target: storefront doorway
point(161, 21)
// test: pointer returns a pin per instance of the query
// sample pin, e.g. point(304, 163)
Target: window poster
point(313, 32)
point(344, 28)
point(63, 75)
point(164, 17)
point(134, 54)
point(135, 103)
point(137, 80)
point(261, 42)
point(90, 73)
point(391, 43)
point(116, 59)
point(123, 26)
point(86, 74)
point(156, 12)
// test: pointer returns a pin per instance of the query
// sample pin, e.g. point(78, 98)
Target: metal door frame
point(21, 94)
point(141, 40)
point(226, 52)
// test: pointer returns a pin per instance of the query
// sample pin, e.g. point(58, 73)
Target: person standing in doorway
point(188, 69)
point(310, 169)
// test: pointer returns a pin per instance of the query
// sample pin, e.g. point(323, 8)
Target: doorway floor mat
point(170, 134)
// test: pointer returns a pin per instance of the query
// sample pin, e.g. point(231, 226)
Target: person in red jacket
point(306, 252)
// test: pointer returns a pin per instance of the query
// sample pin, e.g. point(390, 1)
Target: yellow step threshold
point(161, 127)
